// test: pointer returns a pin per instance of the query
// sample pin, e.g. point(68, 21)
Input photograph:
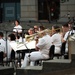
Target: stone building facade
point(34, 10)
point(29, 9)
point(67, 8)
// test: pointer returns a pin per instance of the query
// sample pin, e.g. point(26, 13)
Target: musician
point(70, 25)
point(20, 38)
point(65, 28)
point(2, 45)
point(18, 27)
point(56, 38)
point(35, 29)
point(30, 31)
point(42, 47)
point(12, 42)
point(66, 36)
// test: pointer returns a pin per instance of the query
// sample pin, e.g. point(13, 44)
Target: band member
point(2, 45)
point(42, 47)
point(35, 29)
point(12, 42)
point(56, 38)
point(66, 36)
point(18, 27)
point(30, 31)
point(65, 28)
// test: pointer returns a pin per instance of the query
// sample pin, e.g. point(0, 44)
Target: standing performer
point(18, 27)
point(42, 47)
point(66, 36)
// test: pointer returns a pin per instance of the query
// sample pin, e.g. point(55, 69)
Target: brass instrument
point(32, 37)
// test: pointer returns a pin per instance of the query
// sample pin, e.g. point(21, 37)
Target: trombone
point(32, 37)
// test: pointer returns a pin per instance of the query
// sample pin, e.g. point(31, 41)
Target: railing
point(62, 1)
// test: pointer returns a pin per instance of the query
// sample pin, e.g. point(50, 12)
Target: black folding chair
point(51, 55)
point(62, 53)
point(1, 58)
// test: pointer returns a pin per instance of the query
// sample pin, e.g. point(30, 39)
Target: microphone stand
point(6, 32)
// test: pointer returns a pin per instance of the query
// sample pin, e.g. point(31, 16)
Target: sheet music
point(22, 46)
point(13, 46)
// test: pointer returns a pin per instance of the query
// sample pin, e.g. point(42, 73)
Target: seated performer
point(2, 45)
point(31, 31)
point(42, 47)
point(65, 28)
point(35, 29)
point(20, 38)
point(56, 38)
point(12, 41)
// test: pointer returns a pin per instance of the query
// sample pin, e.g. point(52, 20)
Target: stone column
point(29, 10)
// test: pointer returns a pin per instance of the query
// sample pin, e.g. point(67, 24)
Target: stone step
point(29, 70)
point(70, 71)
point(48, 66)
point(6, 70)
point(56, 65)
point(33, 68)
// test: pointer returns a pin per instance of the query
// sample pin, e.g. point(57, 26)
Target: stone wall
point(67, 8)
point(29, 10)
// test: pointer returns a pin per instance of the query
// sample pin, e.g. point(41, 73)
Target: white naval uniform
point(2, 46)
point(66, 38)
point(44, 45)
point(17, 28)
point(56, 40)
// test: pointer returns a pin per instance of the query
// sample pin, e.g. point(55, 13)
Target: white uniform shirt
point(66, 37)
point(56, 40)
point(2, 46)
point(44, 45)
point(17, 28)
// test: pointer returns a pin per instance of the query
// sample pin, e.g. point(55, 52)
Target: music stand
point(30, 45)
point(29, 51)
